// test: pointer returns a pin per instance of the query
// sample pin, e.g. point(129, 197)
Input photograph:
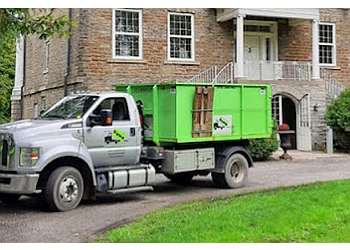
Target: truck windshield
point(70, 107)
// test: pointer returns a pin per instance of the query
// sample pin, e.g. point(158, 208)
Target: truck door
point(118, 143)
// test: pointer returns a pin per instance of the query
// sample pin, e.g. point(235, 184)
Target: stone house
point(303, 53)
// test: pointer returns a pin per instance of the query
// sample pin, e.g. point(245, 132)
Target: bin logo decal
point(116, 136)
point(222, 124)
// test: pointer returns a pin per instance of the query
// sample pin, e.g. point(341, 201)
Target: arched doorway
point(284, 111)
point(296, 113)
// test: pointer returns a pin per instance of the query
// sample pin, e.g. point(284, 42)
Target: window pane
point(326, 54)
point(326, 33)
point(180, 25)
point(127, 45)
point(126, 21)
point(180, 48)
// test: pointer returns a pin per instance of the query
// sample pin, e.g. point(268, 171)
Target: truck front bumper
point(18, 183)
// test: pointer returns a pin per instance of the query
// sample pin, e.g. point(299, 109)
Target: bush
point(261, 149)
point(338, 113)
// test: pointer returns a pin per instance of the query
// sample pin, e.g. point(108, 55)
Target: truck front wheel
point(64, 189)
point(235, 172)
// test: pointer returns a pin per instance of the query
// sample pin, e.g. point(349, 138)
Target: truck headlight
point(28, 157)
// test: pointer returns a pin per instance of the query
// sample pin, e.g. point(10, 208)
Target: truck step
point(130, 190)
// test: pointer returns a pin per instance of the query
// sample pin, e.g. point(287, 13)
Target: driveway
point(26, 221)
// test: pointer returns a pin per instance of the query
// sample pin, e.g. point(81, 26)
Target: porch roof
point(297, 13)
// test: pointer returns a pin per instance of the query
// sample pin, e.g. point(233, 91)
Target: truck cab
point(72, 150)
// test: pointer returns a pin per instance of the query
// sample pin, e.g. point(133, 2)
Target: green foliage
point(15, 22)
point(261, 149)
point(34, 21)
point(338, 113)
point(316, 213)
point(7, 75)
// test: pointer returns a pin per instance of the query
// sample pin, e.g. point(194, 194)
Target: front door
point(252, 57)
point(115, 144)
point(303, 121)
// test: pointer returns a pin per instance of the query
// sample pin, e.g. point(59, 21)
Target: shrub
point(261, 149)
point(338, 113)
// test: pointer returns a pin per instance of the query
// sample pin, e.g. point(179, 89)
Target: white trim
point(334, 44)
point(47, 56)
point(180, 36)
point(299, 13)
point(140, 34)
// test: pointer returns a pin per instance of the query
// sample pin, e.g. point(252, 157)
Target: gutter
point(68, 55)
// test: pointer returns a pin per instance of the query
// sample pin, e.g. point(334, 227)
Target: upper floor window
point(127, 34)
point(47, 55)
point(327, 48)
point(180, 36)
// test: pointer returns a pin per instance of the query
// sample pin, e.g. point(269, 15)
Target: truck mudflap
point(125, 177)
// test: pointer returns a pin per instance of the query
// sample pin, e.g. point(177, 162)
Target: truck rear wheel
point(181, 178)
point(235, 172)
point(9, 197)
point(64, 189)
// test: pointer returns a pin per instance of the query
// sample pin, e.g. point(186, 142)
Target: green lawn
point(314, 213)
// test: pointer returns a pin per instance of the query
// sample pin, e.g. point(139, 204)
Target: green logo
point(118, 135)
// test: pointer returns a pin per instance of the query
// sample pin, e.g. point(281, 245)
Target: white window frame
point(47, 55)
point(140, 34)
point(35, 110)
point(179, 36)
point(334, 44)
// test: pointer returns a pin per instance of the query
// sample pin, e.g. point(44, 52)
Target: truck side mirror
point(106, 117)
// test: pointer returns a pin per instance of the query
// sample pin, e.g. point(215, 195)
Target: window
point(327, 52)
point(118, 107)
point(35, 110)
point(180, 36)
point(47, 56)
point(43, 103)
point(127, 34)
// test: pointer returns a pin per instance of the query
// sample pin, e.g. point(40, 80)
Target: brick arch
point(290, 91)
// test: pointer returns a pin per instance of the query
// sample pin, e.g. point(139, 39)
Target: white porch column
point(16, 113)
point(315, 52)
point(16, 92)
point(239, 47)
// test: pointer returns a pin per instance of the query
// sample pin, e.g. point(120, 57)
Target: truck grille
point(4, 153)
point(6, 147)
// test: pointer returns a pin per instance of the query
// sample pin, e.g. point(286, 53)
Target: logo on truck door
point(115, 136)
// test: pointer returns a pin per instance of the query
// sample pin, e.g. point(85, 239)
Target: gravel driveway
point(26, 221)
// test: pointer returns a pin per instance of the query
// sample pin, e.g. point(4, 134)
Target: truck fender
point(221, 156)
point(67, 151)
point(85, 156)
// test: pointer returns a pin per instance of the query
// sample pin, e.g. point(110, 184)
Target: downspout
point(24, 74)
point(68, 55)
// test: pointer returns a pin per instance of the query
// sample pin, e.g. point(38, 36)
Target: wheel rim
point(236, 172)
point(68, 190)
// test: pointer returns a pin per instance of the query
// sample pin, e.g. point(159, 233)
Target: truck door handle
point(132, 131)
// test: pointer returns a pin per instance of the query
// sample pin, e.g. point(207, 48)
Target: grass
point(313, 213)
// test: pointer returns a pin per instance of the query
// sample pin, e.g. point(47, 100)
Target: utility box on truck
point(230, 112)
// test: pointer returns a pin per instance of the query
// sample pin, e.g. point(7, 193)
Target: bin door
point(303, 124)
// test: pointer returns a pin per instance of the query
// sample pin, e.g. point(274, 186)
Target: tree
point(34, 21)
point(16, 22)
point(7, 74)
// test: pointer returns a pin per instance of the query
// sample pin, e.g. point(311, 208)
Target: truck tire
point(235, 172)
point(181, 178)
point(9, 197)
point(64, 189)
